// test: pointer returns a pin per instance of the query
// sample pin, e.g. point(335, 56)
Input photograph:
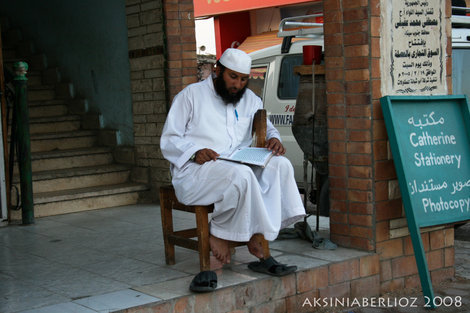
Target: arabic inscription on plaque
point(415, 44)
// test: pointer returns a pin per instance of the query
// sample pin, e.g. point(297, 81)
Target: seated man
point(213, 118)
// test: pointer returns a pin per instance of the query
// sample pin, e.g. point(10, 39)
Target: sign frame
point(388, 104)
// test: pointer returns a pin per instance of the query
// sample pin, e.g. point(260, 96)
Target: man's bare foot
point(220, 249)
point(255, 247)
point(215, 264)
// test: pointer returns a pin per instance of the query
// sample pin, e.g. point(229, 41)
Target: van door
point(279, 99)
point(461, 71)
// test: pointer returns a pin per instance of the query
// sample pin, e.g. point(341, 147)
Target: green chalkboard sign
point(430, 142)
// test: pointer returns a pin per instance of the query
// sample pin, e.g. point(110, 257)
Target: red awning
point(261, 41)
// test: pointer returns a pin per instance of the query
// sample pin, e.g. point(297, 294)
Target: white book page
point(250, 155)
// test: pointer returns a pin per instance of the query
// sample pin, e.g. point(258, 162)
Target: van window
point(257, 79)
point(288, 81)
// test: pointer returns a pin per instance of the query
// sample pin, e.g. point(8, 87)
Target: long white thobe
point(247, 200)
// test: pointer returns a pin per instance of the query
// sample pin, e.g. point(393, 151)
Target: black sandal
point(271, 267)
point(204, 282)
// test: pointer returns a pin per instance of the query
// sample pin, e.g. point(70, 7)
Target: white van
point(273, 79)
point(460, 50)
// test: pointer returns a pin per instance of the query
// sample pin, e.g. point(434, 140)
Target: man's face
point(231, 85)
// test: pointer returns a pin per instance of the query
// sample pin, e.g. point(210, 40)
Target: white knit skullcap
point(236, 60)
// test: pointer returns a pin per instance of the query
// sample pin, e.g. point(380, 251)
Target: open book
point(250, 155)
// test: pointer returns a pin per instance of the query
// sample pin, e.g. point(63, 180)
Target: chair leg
point(167, 227)
point(202, 215)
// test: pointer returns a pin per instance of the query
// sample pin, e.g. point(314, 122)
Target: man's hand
point(205, 155)
point(275, 146)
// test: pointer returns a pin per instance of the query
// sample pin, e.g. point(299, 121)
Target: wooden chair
point(184, 238)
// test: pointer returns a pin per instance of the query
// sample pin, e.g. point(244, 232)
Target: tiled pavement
point(113, 259)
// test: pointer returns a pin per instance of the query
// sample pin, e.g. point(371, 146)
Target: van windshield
point(288, 81)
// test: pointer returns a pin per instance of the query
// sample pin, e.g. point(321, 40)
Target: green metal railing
point(21, 138)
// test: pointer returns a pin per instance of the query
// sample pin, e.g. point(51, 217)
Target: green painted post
point(23, 143)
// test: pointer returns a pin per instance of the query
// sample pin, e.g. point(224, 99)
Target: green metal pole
point(24, 144)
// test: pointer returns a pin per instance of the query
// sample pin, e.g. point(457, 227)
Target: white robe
point(247, 200)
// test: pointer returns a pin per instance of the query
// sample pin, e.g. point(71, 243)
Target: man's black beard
point(222, 91)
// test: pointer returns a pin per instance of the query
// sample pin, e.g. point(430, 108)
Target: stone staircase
point(73, 159)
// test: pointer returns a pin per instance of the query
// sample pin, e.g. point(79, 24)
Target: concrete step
point(78, 106)
point(48, 107)
point(48, 110)
point(26, 49)
point(78, 178)
point(38, 62)
point(64, 90)
point(34, 80)
point(33, 103)
point(68, 201)
point(51, 76)
point(63, 159)
point(63, 141)
point(41, 94)
point(54, 124)
point(40, 87)
point(92, 120)
point(110, 137)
